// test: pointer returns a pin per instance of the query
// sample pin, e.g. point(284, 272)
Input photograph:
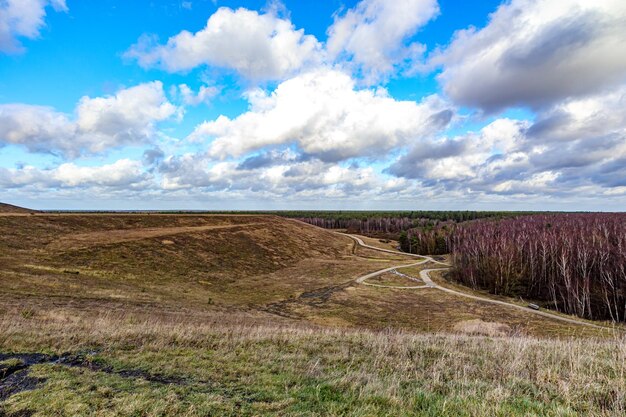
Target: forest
point(389, 222)
point(572, 262)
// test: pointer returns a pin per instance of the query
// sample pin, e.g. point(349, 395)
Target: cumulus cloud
point(122, 174)
point(576, 145)
point(100, 123)
point(204, 94)
point(327, 117)
point(373, 35)
point(268, 159)
point(257, 46)
point(593, 116)
point(276, 174)
point(23, 19)
point(536, 53)
point(458, 159)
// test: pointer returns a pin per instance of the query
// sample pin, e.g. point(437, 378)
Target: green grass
point(234, 370)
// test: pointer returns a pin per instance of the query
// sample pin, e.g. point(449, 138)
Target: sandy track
point(428, 283)
point(83, 240)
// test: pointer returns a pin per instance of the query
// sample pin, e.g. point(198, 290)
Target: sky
point(351, 105)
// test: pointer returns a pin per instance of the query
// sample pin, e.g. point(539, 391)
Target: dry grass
point(202, 263)
point(233, 368)
point(257, 315)
point(379, 242)
point(482, 328)
point(11, 209)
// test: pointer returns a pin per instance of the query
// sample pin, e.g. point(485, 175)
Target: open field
point(257, 264)
point(260, 315)
point(129, 364)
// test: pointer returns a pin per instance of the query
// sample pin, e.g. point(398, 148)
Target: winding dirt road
point(428, 283)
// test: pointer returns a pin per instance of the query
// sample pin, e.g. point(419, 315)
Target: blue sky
point(415, 104)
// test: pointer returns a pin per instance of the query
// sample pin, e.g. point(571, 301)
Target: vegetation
point(388, 222)
point(427, 240)
point(252, 315)
point(9, 208)
point(167, 366)
point(263, 265)
point(574, 262)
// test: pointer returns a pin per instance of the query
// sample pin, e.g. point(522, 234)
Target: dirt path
point(428, 283)
point(83, 240)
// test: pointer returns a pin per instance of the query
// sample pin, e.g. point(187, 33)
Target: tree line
point(574, 263)
point(388, 222)
point(428, 240)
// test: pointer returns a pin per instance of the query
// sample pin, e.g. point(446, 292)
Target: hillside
point(265, 266)
point(173, 260)
point(9, 208)
point(260, 315)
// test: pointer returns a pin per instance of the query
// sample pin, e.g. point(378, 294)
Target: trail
point(428, 283)
point(83, 240)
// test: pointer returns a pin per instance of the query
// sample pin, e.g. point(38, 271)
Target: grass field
point(163, 315)
point(217, 365)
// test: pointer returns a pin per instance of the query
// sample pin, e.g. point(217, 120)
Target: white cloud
point(460, 158)
point(124, 173)
point(23, 19)
point(257, 46)
point(578, 146)
point(589, 117)
point(323, 113)
point(285, 177)
point(373, 35)
point(128, 117)
point(204, 95)
point(535, 53)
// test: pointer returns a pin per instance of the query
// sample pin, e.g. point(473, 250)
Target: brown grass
point(203, 264)
point(11, 209)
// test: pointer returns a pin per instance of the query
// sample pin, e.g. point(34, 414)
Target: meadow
point(224, 365)
point(152, 314)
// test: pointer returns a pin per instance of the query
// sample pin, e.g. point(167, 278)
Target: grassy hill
point(9, 208)
point(159, 315)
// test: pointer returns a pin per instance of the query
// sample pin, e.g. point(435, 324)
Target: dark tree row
point(455, 215)
point(388, 222)
point(369, 225)
point(429, 240)
point(576, 263)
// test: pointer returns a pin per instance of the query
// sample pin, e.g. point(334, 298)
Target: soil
point(15, 378)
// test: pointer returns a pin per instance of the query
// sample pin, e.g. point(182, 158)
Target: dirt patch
point(18, 382)
point(482, 328)
point(314, 298)
point(85, 240)
point(321, 295)
point(15, 378)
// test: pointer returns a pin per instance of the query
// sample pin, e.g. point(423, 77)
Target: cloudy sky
point(372, 104)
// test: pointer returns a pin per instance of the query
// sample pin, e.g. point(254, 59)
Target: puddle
point(15, 378)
